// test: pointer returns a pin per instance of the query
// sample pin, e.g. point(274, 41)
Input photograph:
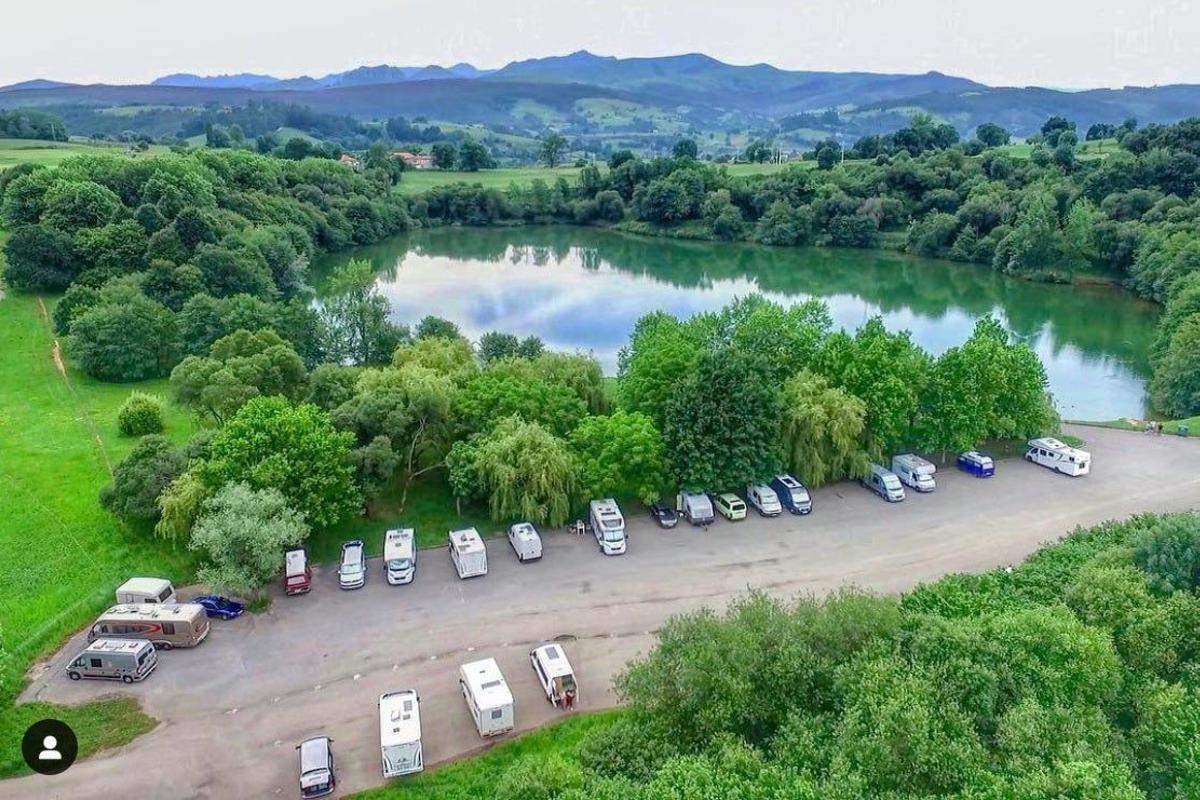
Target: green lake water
point(581, 288)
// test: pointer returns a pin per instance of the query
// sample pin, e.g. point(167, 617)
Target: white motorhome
point(555, 675)
point(914, 471)
point(400, 733)
point(884, 483)
point(137, 591)
point(468, 553)
point(167, 626)
point(608, 526)
point(764, 499)
point(696, 508)
point(1059, 456)
point(526, 541)
point(488, 697)
point(399, 556)
point(126, 660)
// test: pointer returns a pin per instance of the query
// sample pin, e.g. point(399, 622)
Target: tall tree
point(527, 473)
point(620, 455)
point(552, 150)
point(356, 314)
point(823, 429)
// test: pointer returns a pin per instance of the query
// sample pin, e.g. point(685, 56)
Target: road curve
point(233, 709)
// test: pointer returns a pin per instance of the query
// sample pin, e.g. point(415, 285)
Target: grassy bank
point(36, 151)
point(1129, 424)
point(479, 777)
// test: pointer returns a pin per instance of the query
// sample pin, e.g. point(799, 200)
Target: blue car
point(219, 607)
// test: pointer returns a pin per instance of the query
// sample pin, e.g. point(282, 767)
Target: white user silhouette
point(51, 752)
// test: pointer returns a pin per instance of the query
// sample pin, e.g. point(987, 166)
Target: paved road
point(233, 709)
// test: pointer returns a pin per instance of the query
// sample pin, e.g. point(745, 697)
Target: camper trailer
point(884, 483)
point(137, 591)
point(400, 733)
point(792, 494)
point(488, 697)
point(915, 472)
point(696, 508)
point(764, 499)
point(608, 526)
point(127, 660)
point(399, 556)
point(554, 675)
point(468, 553)
point(297, 574)
point(167, 626)
point(1058, 456)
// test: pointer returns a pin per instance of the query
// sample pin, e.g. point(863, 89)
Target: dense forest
point(31, 124)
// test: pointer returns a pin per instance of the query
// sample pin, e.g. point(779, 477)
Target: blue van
point(793, 494)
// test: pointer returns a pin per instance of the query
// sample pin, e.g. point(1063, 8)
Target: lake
point(583, 288)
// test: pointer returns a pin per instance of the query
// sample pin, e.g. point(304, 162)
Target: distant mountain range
point(585, 94)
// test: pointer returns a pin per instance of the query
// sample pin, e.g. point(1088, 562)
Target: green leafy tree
point(330, 385)
point(661, 349)
point(141, 477)
point(1175, 386)
point(431, 327)
point(1169, 553)
point(240, 534)
point(444, 155)
point(784, 224)
point(272, 444)
point(38, 258)
point(992, 135)
point(527, 473)
point(474, 156)
point(494, 395)
point(823, 429)
point(240, 367)
point(552, 150)
point(494, 346)
point(126, 339)
point(686, 148)
point(758, 151)
point(356, 316)
point(374, 465)
point(620, 455)
point(179, 505)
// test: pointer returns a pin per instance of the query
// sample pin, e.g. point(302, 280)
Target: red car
point(297, 574)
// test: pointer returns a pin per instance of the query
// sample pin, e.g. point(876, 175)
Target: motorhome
point(914, 471)
point(167, 626)
point(526, 541)
point(352, 572)
point(696, 508)
point(977, 464)
point(608, 526)
point(488, 697)
point(764, 499)
point(127, 660)
point(468, 553)
point(317, 777)
point(399, 556)
point(884, 483)
point(136, 591)
point(793, 495)
point(297, 574)
point(1059, 456)
point(400, 733)
point(554, 675)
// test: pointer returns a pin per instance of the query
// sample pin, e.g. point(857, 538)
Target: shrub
point(140, 414)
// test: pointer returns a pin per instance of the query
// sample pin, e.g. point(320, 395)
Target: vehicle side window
point(95, 663)
point(497, 713)
point(168, 628)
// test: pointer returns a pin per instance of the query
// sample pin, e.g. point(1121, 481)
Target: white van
point(695, 507)
point(400, 733)
point(468, 553)
point(488, 697)
point(764, 499)
point(137, 591)
point(399, 556)
point(127, 660)
point(608, 526)
point(555, 675)
point(1059, 456)
point(526, 541)
point(914, 471)
point(352, 573)
point(884, 483)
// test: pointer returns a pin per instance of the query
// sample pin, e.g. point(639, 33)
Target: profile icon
point(49, 746)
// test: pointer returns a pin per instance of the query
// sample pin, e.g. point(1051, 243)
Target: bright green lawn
point(61, 554)
point(416, 181)
point(34, 151)
point(477, 777)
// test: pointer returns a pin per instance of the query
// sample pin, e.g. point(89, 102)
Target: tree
point(141, 477)
point(721, 424)
point(661, 349)
point(140, 414)
point(686, 148)
point(1054, 127)
point(1175, 386)
point(552, 150)
point(829, 153)
point(431, 327)
point(527, 473)
point(992, 135)
point(356, 315)
point(130, 338)
point(620, 455)
point(494, 346)
point(330, 385)
point(822, 431)
point(374, 465)
point(473, 156)
point(1169, 553)
point(272, 444)
point(179, 505)
point(758, 151)
point(784, 224)
point(494, 395)
point(239, 367)
point(444, 155)
point(241, 532)
point(40, 259)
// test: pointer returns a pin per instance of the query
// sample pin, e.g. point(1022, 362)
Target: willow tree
point(527, 472)
point(823, 429)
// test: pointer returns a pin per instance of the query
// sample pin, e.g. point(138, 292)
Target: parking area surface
point(233, 709)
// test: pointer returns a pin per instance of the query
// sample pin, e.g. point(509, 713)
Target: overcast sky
point(1062, 43)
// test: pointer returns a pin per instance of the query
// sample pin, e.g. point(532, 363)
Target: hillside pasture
point(45, 153)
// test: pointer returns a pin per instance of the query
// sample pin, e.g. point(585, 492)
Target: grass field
point(61, 554)
point(34, 151)
point(478, 777)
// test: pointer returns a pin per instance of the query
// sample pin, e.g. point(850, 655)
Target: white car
point(526, 541)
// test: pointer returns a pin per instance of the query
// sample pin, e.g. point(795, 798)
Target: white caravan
point(468, 553)
point(608, 526)
point(399, 556)
point(525, 541)
point(137, 591)
point(764, 499)
point(555, 675)
point(914, 471)
point(400, 733)
point(696, 508)
point(488, 697)
point(1058, 456)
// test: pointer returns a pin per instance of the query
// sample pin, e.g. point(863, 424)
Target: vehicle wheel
point(127, 678)
point(164, 646)
point(74, 676)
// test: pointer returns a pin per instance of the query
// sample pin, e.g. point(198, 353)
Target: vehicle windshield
point(351, 569)
point(891, 482)
point(400, 563)
point(614, 535)
point(799, 496)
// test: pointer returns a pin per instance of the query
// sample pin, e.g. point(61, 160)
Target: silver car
point(352, 574)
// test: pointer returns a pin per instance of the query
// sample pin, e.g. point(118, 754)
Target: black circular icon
point(49, 746)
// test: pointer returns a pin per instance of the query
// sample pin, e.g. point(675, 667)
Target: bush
point(140, 414)
point(139, 480)
point(1169, 553)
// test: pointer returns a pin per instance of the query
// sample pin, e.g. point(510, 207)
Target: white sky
point(1060, 43)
